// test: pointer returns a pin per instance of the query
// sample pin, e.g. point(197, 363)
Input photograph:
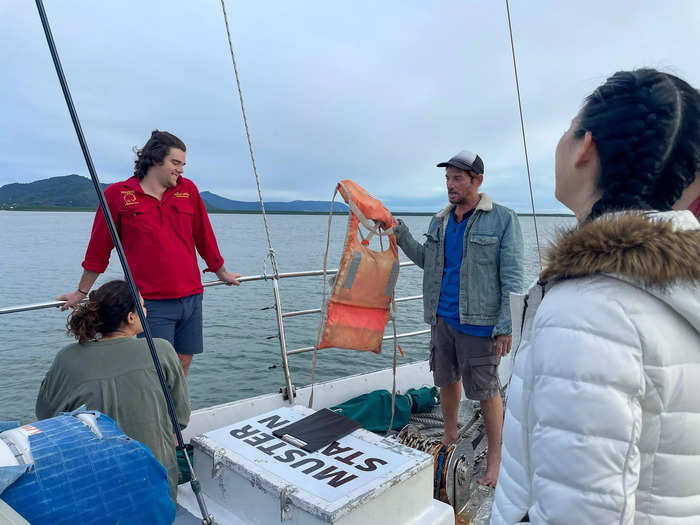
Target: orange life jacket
point(358, 308)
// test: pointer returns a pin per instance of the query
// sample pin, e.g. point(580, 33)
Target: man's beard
point(169, 182)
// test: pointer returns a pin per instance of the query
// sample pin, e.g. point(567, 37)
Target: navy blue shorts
point(178, 321)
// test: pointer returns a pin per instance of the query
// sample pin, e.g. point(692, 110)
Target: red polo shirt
point(159, 238)
point(695, 207)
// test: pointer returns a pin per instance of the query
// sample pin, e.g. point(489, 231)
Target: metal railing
point(280, 315)
point(207, 284)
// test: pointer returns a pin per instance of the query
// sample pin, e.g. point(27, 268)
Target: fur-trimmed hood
point(659, 252)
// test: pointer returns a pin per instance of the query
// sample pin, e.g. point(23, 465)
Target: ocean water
point(41, 256)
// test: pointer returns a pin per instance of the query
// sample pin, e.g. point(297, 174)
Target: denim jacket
point(492, 264)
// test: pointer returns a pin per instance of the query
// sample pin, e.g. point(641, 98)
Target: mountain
point(224, 204)
point(74, 191)
point(70, 191)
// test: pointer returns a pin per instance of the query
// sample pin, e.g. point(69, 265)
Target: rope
point(323, 304)
point(271, 252)
point(522, 129)
point(392, 314)
point(393, 375)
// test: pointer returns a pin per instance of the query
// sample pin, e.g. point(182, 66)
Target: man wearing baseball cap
point(472, 261)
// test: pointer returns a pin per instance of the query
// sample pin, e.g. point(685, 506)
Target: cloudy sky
point(378, 92)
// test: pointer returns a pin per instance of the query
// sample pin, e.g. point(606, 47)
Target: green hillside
point(70, 191)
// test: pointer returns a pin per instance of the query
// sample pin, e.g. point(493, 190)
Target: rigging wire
point(271, 252)
point(196, 488)
point(522, 129)
point(532, 199)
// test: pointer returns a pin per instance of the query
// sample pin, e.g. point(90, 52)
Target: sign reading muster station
point(330, 473)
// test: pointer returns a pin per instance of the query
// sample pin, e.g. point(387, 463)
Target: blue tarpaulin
point(78, 477)
point(8, 425)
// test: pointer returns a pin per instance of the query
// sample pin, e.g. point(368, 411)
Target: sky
point(377, 92)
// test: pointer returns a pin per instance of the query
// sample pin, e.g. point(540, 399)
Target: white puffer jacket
point(603, 410)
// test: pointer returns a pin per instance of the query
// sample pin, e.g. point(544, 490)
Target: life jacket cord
point(392, 316)
point(373, 228)
point(321, 320)
point(393, 369)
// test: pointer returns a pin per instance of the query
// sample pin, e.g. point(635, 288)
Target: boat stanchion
point(288, 391)
point(285, 392)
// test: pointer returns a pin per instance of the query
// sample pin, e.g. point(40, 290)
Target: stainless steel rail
point(318, 310)
point(207, 284)
point(386, 337)
point(289, 387)
point(28, 307)
point(280, 316)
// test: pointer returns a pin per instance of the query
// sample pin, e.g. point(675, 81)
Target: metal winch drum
point(453, 465)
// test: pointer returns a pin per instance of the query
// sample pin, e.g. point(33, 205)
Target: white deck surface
point(401, 494)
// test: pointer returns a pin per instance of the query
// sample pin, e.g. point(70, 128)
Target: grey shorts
point(455, 355)
point(178, 321)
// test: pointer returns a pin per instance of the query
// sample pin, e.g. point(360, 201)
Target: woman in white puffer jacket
point(603, 409)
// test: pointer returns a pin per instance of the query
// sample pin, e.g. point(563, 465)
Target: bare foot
point(449, 437)
point(490, 478)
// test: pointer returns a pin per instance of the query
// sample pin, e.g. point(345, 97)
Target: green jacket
point(492, 264)
point(117, 377)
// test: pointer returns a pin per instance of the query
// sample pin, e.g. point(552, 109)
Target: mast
point(207, 519)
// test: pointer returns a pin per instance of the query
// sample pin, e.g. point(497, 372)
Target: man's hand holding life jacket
point(385, 226)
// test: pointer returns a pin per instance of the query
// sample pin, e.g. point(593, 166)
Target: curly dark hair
point(154, 151)
point(646, 128)
point(104, 312)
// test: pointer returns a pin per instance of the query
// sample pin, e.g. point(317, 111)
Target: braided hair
point(646, 127)
point(104, 312)
point(154, 151)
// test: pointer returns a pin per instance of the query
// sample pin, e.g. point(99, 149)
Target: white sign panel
point(330, 473)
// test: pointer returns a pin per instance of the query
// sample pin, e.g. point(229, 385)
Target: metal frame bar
point(318, 310)
point(280, 315)
point(207, 284)
point(385, 338)
point(283, 342)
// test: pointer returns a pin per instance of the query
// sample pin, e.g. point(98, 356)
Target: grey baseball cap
point(465, 160)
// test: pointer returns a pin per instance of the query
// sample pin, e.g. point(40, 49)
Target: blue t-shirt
point(448, 305)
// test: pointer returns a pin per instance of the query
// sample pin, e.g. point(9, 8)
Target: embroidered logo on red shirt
point(185, 194)
point(129, 197)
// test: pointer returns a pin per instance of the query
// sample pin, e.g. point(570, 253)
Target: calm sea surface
point(40, 258)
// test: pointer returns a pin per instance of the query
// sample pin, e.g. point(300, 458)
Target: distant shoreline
point(255, 212)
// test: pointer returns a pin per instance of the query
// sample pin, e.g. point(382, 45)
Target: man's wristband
point(84, 293)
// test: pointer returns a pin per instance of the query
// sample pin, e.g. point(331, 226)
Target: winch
point(453, 465)
point(457, 467)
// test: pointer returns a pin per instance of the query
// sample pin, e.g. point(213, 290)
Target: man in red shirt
point(161, 220)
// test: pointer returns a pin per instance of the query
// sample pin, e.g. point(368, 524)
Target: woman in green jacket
point(110, 370)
